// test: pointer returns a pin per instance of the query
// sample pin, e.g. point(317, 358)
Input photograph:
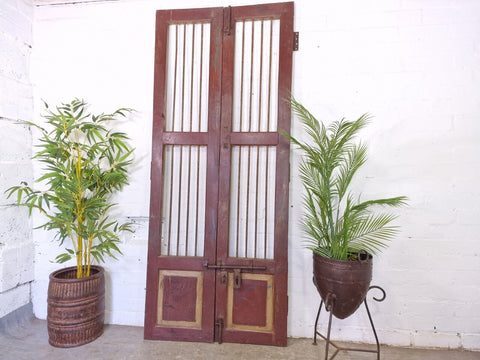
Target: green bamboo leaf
point(83, 163)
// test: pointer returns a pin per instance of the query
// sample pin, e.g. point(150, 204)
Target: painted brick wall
point(412, 64)
point(16, 103)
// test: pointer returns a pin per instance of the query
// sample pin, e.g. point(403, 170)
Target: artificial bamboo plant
point(337, 224)
point(85, 162)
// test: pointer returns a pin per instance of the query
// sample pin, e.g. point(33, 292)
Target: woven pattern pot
point(76, 307)
point(345, 283)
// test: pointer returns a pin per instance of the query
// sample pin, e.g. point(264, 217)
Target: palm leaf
point(335, 227)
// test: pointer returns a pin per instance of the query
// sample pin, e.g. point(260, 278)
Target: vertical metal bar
point(267, 151)
point(187, 219)
point(316, 323)
point(270, 76)
point(180, 168)
point(328, 332)
point(256, 204)
point(240, 148)
point(242, 75)
point(269, 95)
point(172, 158)
point(200, 80)
point(261, 78)
point(191, 77)
point(169, 196)
point(180, 171)
point(198, 146)
point(258, 148)
point(172, 162)
point(251, 77)
point(249, 127)
point(373, 328)
point(183, 74)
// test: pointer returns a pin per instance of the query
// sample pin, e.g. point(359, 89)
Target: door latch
point(219, 324)
point(223, 277)
point(237, 278)
point(220, 266)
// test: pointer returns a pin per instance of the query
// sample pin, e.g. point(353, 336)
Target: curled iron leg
point(384, 295)
point(329, 304)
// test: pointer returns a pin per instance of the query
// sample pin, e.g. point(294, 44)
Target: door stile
point(156, 175)
point(167, 272)
point(283, 167)
point(224, 166)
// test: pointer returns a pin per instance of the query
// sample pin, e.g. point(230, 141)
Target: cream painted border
point(270, 299)
point(197, 324)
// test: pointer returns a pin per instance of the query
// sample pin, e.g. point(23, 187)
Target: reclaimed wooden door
point(217, 256)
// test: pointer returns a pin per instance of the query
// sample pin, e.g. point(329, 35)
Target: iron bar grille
point(255, 103)
point(187, 77)
point(185, 166)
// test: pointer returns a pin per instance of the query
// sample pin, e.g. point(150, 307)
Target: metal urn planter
point(346, 230)
point(76, 307)
point(343, 287)
point(342, 284)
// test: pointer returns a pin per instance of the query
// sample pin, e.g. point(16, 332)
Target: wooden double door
point(217, 253)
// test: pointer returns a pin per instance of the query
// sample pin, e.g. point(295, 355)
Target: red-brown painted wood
point(179, 302)
point(279, 266)
point(160, 138)
point(219, 140)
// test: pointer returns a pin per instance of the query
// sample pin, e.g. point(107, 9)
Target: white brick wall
point(16, 103)
point(413, 64)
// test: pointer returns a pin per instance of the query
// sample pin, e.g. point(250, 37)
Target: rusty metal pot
point(76, 307)
point(342, 284)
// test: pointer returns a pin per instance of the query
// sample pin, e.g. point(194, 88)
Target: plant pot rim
point(368, 259)
point(99, 273)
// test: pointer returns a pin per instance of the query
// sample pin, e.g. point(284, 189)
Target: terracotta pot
point(342, 284)
point(76, 307)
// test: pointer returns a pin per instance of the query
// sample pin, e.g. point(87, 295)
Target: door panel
point(250, 306)
point(217, 259)
point(180, 298)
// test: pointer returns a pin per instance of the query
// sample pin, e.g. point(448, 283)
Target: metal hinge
point(227, 21)
point(295, 40)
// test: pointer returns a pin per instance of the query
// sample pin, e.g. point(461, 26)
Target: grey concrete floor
point(30, 342)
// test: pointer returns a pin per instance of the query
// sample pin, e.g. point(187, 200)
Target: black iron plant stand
point(329, 304)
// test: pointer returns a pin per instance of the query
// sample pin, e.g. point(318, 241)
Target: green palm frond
point(334, 224)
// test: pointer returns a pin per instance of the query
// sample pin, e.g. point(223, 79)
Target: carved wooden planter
point(76, 307)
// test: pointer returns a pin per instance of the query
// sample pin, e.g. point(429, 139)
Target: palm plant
point(337, 224)
point(85, 163)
